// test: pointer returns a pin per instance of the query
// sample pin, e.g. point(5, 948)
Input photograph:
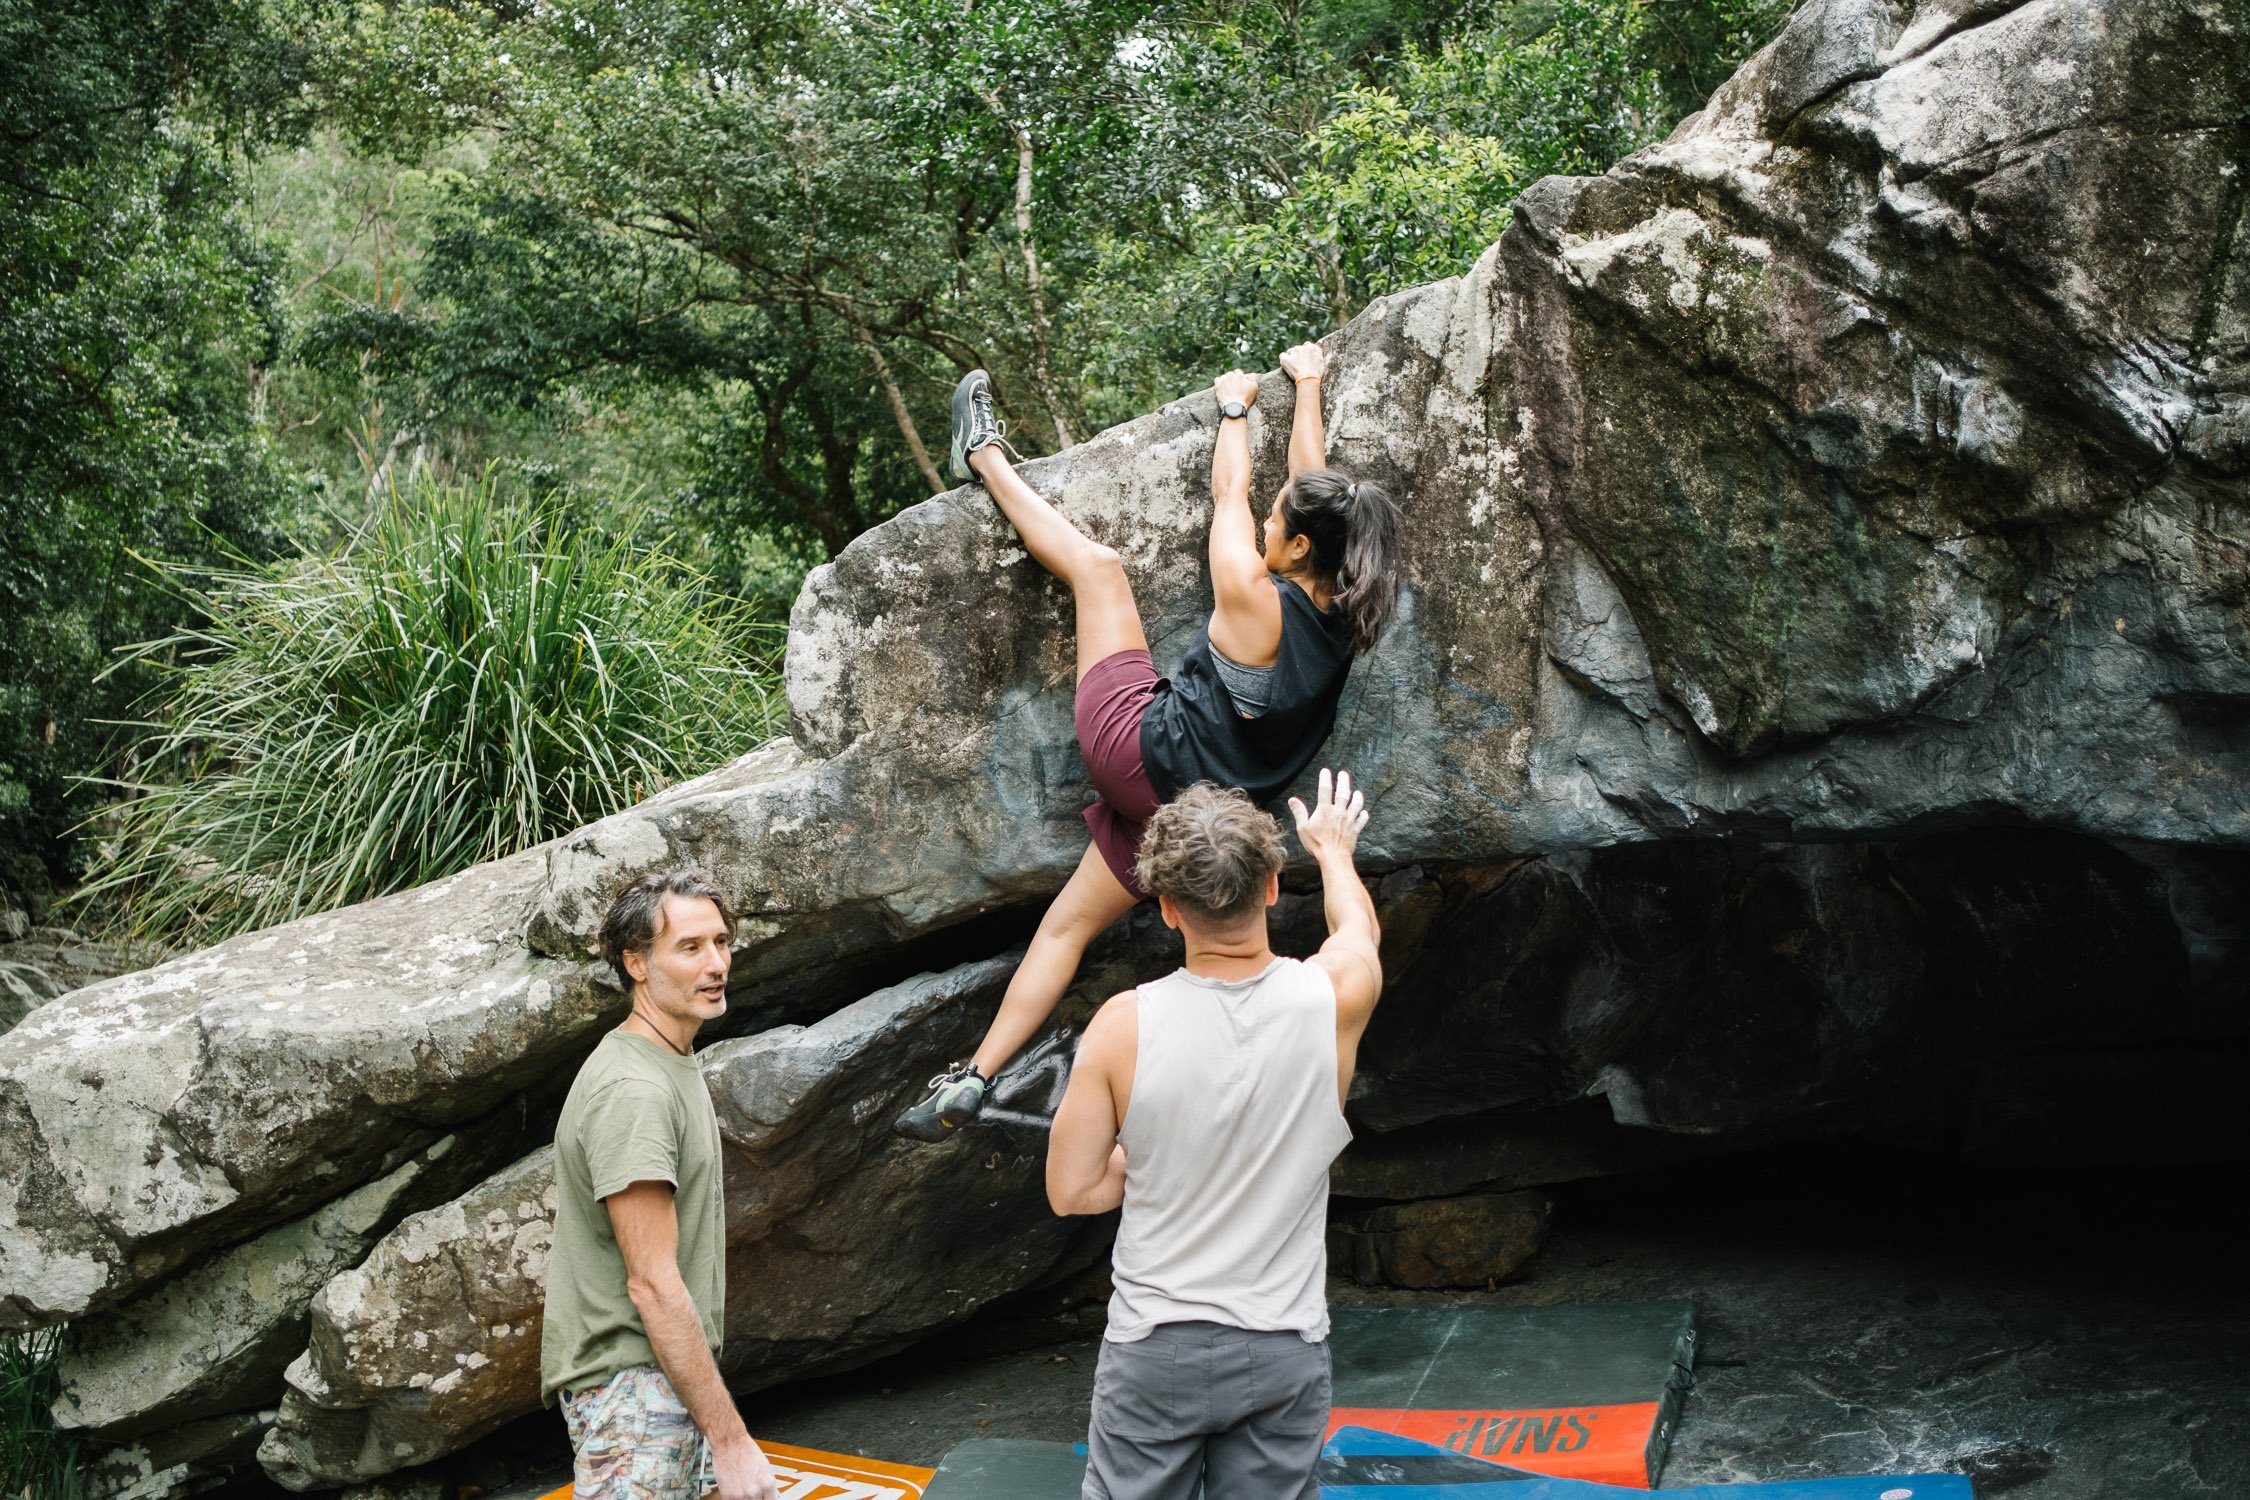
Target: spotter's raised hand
point(1333, 824)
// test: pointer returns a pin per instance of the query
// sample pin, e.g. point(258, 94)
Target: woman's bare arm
point(1245, 609)
point(1308, 446)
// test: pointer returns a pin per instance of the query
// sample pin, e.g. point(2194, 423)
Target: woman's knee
point(1085, 906)
point(1096, 565)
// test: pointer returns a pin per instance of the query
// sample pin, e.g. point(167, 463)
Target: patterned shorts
point(634, 1440)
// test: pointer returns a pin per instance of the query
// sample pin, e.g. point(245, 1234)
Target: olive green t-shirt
point(636, 1113)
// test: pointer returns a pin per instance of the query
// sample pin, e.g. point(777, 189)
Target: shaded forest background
point(416, 418)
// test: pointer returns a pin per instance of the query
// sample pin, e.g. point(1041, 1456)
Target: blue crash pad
point(1360, 1463)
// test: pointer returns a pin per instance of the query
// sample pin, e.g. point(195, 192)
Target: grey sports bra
point(1249, 687)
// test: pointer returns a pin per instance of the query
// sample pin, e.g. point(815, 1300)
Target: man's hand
point(1308, 361)
point(742, 1471)
point(1332, 827)
point(1236, 385)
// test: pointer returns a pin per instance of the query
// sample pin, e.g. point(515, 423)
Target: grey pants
point(1239, 1414)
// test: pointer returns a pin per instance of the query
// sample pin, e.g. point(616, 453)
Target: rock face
point(180, 1109)
point(1479, 1240)
point(184, 1460)
point(1840, 506)
point(215, 1339)
point(1716, 986)
point(435, 1337)
point(843, 1243)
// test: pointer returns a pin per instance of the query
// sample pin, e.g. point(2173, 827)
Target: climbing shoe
point(975, 424)
point(955, 1097)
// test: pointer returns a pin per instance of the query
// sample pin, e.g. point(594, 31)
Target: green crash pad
point(1004, 1469)
point(1589, 1391)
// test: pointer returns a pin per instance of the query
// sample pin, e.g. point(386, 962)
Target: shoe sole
point(916, 1126)
point(958, 460)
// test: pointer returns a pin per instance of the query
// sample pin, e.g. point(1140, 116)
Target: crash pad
point(1581, 1391)
point(1360, 1463)
point(1009, 1469)
point(809, 1474)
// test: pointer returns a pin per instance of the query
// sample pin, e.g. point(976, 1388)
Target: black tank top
point(1191, 731)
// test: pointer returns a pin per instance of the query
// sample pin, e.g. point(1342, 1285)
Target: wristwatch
point(1232, 409)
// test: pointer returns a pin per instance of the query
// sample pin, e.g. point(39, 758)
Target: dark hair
point(1212, 850)
point(636, 915)
point(1353, 527)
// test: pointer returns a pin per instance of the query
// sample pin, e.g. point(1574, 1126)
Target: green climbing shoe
point(956, 1096)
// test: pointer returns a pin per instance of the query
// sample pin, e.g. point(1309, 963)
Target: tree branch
point(905, 418)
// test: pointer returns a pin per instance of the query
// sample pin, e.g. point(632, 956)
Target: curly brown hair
point(1212, 850)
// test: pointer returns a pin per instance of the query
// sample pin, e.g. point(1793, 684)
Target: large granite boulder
point(844, 1243)
point(1826, 661)
point(1866, 458)
point(171, 1112)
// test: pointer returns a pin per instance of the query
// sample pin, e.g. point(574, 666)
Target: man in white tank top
point(1210, 1104)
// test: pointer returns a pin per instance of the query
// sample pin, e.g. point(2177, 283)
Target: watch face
point(1233, 409)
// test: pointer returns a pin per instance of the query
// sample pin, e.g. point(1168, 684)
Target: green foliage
point(134, 305)
point(1388, 201)
point(1401, 183)
point(36, 1461)
point(798, 220)
point(470, 677)
point(1693, 46)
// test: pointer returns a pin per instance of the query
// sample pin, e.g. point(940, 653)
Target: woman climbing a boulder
point(1251, 705)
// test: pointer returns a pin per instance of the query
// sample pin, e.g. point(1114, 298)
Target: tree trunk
point(1042, 369)
point(906, 427)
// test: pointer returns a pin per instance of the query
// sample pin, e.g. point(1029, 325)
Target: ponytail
point(1353, 526)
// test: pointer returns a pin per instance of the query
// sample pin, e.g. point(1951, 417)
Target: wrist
point(1301, 379)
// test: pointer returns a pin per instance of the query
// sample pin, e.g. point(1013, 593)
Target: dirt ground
point(2056, 1336)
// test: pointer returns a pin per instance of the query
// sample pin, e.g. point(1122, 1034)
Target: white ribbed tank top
point(1228, 1135)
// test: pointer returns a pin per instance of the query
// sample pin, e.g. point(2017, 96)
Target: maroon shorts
point(1112, 696)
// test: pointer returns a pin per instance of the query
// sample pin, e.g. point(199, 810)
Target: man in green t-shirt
point(636, 1276)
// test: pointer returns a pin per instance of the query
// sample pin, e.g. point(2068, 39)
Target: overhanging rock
point(213, 1341)
point(157, 1117)
point(1867, 459)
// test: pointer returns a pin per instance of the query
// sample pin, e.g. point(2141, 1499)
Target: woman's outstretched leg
point(1089, 903)
point(1108, 620)
point(1086, 907)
